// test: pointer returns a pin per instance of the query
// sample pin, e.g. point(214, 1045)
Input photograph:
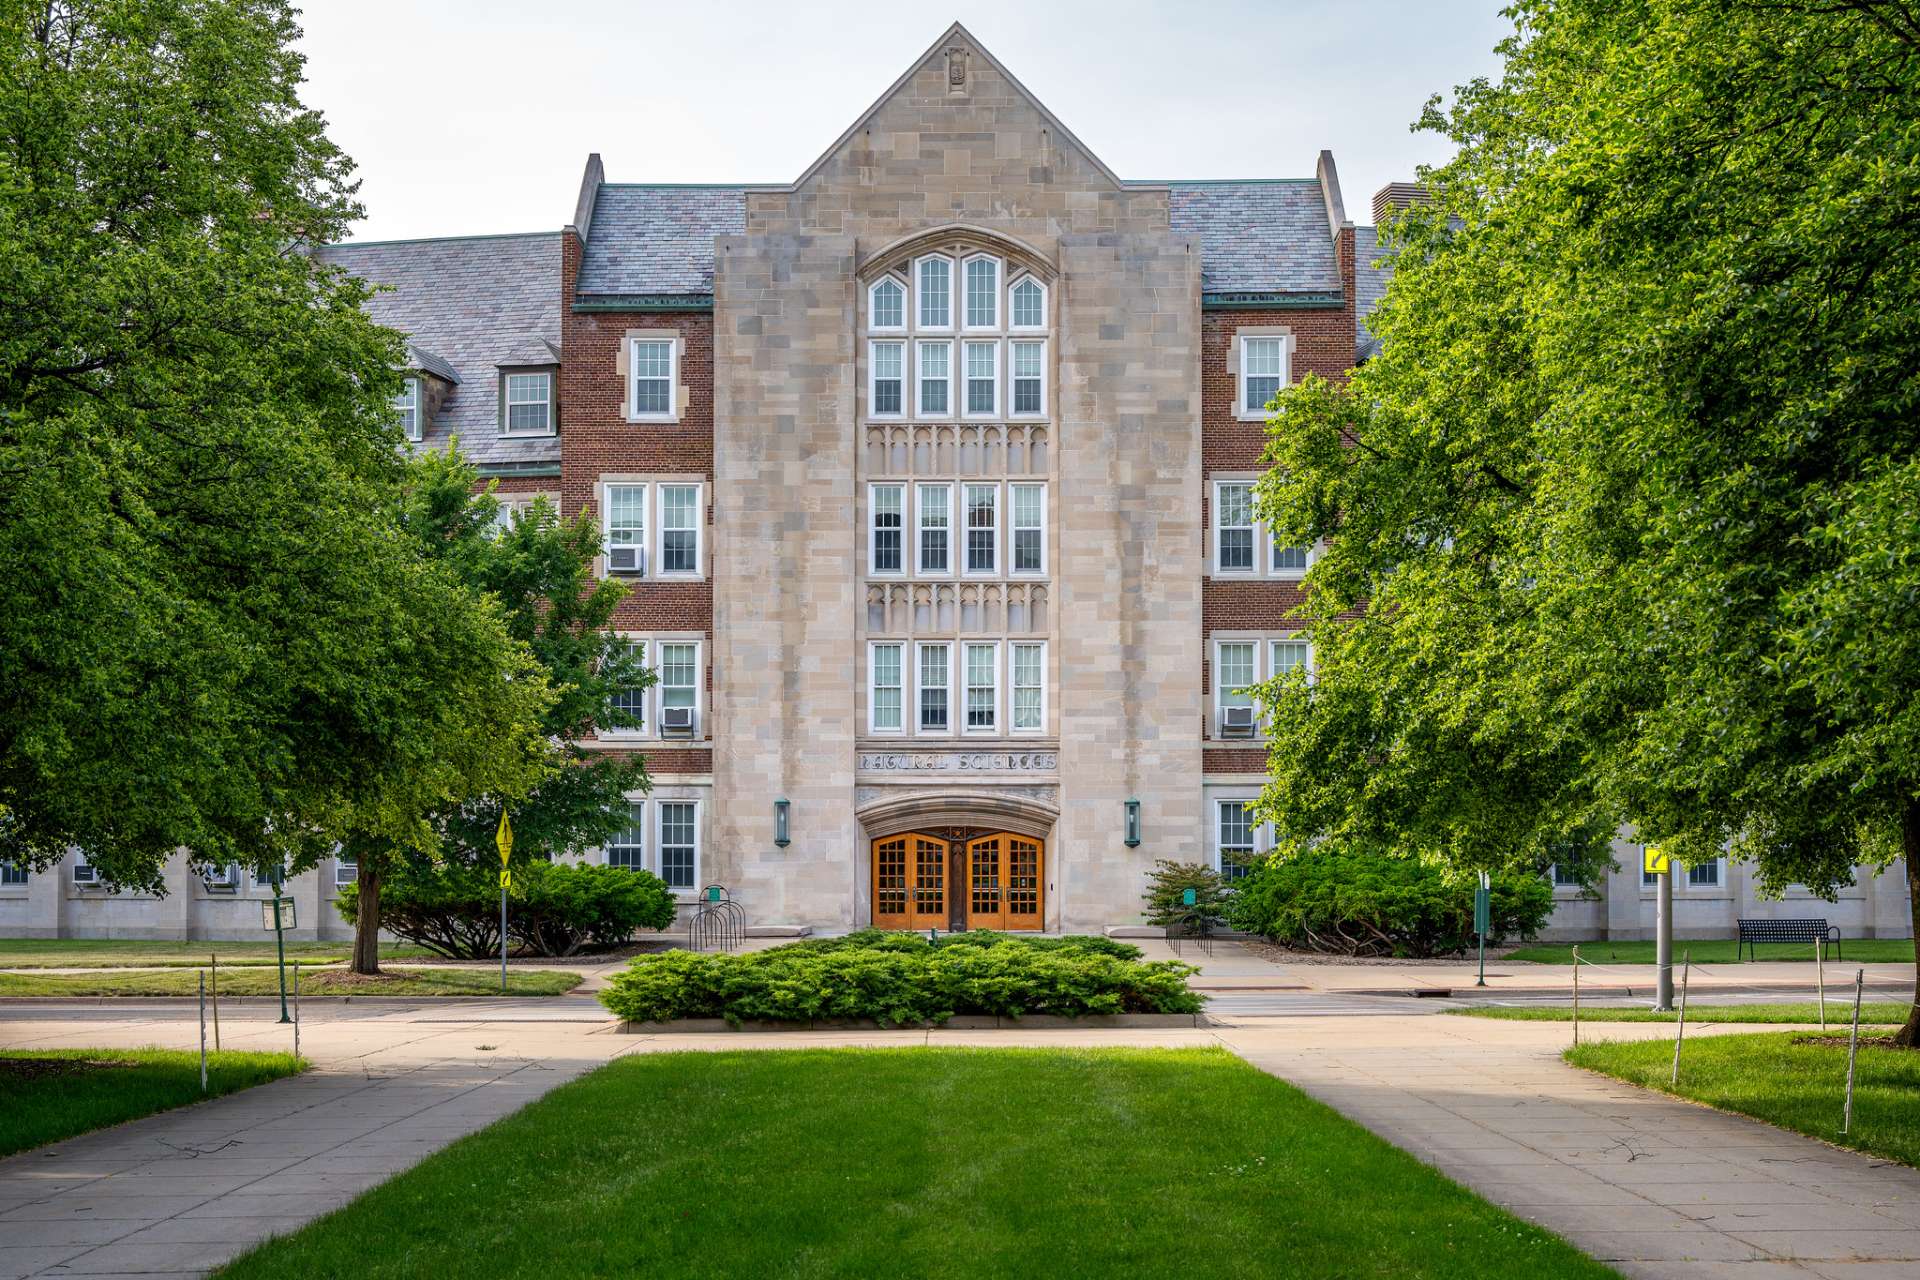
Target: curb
point(268, 999)
point(1608, 992)
point(968, 1022)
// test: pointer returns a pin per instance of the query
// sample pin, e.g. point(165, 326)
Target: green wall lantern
point(1133, 823)
point(780, 833)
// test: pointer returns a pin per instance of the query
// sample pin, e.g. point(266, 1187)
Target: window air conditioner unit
point(1236, 720)
point(85, 874)
point(627, 560)
point(676, 720)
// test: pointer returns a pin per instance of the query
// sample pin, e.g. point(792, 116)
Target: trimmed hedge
point(893, 982)
point(554, 909)
point(1367, 905)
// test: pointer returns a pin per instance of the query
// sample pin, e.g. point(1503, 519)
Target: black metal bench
point(1753, 932)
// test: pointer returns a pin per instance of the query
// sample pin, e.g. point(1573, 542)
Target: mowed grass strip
point(1777, 1079)
point(1839, 1013)
point(93, 953)
point(1716, 951)
point(926, 1163)
point(49, 1095)
point(313, 982)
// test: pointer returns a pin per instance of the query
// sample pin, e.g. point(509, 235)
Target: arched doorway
point(959, 878)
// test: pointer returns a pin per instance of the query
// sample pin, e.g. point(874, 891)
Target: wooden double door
point(958, 880)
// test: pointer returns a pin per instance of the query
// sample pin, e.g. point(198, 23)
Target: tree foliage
point(1624, 522)
point(211, 635)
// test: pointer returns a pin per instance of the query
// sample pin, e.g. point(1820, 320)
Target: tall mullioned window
point(889, 522)
point(1029, 688)
point(1236, 840)
point(885, 701)
point(628, 848)
point(936, 293)
point(983, 688)
point(679, 844)
point(983, 527)
point(1263, 371)
point(1029, 527)
point(889, 363)
point(1233, 527)
point(935, 526)
point(651, 364)
point(983, 293)
point(935, 659)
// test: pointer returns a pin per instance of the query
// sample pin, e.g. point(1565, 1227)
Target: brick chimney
point(1397, 195)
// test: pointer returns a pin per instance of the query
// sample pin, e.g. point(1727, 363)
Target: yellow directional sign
point(506, 878)
point(504, 838)
point(1655, 861)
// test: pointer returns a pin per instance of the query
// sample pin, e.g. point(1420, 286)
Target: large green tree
point(1624, 522)
point(213, 634)
point(539, 570)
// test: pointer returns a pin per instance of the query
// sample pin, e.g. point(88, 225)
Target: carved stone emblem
point(956, 70)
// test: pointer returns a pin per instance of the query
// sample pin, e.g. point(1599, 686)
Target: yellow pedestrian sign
point(504, 838)
point(1655, 861)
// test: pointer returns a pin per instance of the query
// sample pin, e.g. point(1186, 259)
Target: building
point(930, 475)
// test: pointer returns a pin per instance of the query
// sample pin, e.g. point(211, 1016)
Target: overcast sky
point(470, 116)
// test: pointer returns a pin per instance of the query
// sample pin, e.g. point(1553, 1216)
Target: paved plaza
point(1658, 1187)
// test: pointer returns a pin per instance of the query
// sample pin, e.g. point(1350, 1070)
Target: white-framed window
point(1292, 653)
point(628, 847)
point(679, 681)
point(406, 406)
point(1233, 672)
point(652, 376)
point(1233, 527)
point(221, 879)
point(529, 404)
point(934, 290)
point(983, 528)
point(678, 839)
point(1029, 300)
point(1263, 371)
point(933, 507)
point(625, 526)
point(346, 869)
point(982, 277)
point(1234, 849)
point(1029, 379)
point(933, 388)
point(1565, 875)
point(1648, 879)
point(680, 528)
point(886, 514)
point(981, 664)
point(632, 698)
point(1028, 660)
point(982, 378)
point(887, 304)
point(934, 687)
point(887, 362)
point(12, 874)
point(1290, 562)
point(1704, 875)
point(885, 675)
point(1028, 520)
point(263, 876)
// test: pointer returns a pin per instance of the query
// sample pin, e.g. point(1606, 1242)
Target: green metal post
point(280, 942)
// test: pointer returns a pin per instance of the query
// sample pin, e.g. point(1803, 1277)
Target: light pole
point(1662, 868)
point(280, 940)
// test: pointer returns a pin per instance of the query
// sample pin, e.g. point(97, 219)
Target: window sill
point(653, 419)
point(548, 434)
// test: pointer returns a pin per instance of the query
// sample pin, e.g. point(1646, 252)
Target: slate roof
point(468, 304)
point(1258, 236)
point(1369, 285)
point(657, 239)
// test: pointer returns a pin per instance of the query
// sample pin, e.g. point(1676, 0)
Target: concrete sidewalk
point(1653, 1185)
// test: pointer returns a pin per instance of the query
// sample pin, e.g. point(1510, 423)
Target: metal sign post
point(504, 838)
point(278, 925)
point(1483, 920)
point(1660, 866)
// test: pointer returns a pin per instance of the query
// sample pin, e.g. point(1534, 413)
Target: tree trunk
point(366, 925)
point(1908, 1036)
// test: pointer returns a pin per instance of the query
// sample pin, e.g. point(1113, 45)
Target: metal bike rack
point(718, 922)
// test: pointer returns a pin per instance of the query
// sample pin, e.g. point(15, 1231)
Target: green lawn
point(313, 982)
point(1838, 1013)
point(1795, 1086)
point(1714, 951)
point(925, 1163)
point(53, 1094)
point(89, 953)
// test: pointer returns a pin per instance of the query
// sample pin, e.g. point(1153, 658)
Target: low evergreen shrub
point(1367, 905)
point(895, 982)
point(553, 909)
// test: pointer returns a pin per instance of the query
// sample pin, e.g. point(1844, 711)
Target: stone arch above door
point(1032, 811)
